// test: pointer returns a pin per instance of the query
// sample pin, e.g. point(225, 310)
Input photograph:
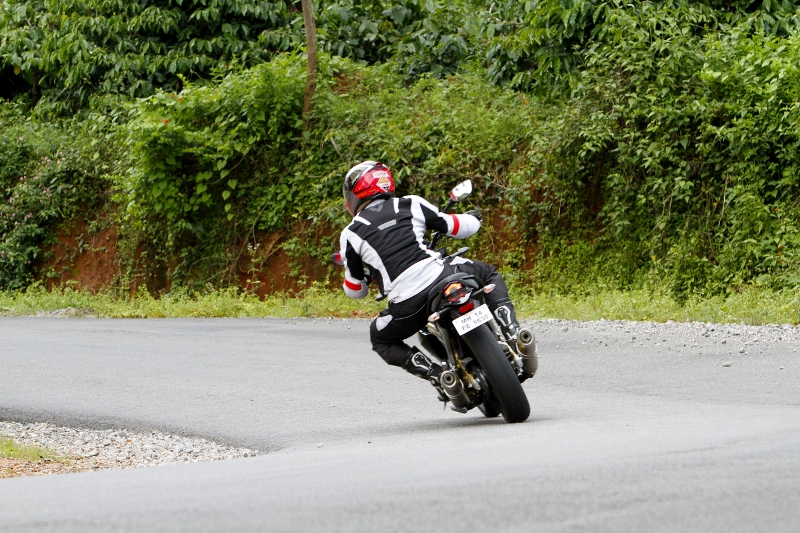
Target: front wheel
point(504, 386)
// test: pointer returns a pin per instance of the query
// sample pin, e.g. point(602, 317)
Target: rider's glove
point(476, 213)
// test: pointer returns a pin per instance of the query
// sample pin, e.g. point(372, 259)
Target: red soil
point(89, 259)
point(79, 255)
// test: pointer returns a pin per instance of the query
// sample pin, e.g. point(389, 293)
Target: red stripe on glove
point(455, 223)
point(352, 286)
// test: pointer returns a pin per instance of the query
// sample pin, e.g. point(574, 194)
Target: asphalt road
point(622, 437)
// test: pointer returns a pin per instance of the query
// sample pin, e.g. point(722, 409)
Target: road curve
point(622, 437)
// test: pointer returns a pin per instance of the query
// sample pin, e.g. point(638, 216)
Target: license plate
point(473, 319)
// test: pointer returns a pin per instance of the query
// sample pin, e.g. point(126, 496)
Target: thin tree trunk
point(36, 93)
point(311, 50)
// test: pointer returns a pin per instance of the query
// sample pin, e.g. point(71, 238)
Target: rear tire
point(489, 407)
point(504, 386)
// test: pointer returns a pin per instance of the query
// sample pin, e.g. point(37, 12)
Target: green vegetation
point(315, 301)
point(63, 53)
point(620, 146)
point(750, 306)
point(11, 450)
point(67, 51)
point(46, 177)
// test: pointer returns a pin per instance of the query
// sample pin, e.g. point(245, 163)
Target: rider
point(384, 242)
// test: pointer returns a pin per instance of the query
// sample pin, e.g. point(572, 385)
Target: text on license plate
point(473, 319)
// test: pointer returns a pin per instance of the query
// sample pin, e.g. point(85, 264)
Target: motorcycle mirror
point(337, 258)
point(461, 191)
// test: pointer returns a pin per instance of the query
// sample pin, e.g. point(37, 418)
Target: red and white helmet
point(365, 182)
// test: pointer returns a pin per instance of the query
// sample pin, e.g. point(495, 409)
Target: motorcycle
point(480, 367)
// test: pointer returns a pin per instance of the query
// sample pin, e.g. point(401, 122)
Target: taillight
point(452, 287)
point(456, 293)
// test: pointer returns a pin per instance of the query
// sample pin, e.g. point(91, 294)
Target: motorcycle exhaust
point(454, 389)
point(526, 344)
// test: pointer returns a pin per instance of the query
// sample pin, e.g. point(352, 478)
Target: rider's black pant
point(400, 321)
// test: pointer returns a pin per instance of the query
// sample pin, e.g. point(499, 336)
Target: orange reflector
point(452, 287)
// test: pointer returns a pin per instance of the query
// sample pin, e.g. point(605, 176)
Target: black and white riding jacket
point(386, 237)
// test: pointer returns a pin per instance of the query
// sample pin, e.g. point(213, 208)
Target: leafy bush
point(185, 146)
point(678, 151)
point(418, 36)
point(212, 165)
point(540, 45)
point(43, 180)
point(210, 161)
point(69, 50)
point(431, 134)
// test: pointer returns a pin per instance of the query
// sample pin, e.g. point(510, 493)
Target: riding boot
point(507, 319)
point(522, 339)
point(421, 365)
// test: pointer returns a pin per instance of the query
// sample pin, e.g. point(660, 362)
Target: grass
point(751, 305)
point(11, 450)
point(314, 301)
point(754, 306)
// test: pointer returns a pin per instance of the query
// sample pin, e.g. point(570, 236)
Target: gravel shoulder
point(742, 333)
point(90, 450)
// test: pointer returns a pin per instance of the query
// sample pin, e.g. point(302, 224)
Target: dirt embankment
point(88, 257)
point(84, 255)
